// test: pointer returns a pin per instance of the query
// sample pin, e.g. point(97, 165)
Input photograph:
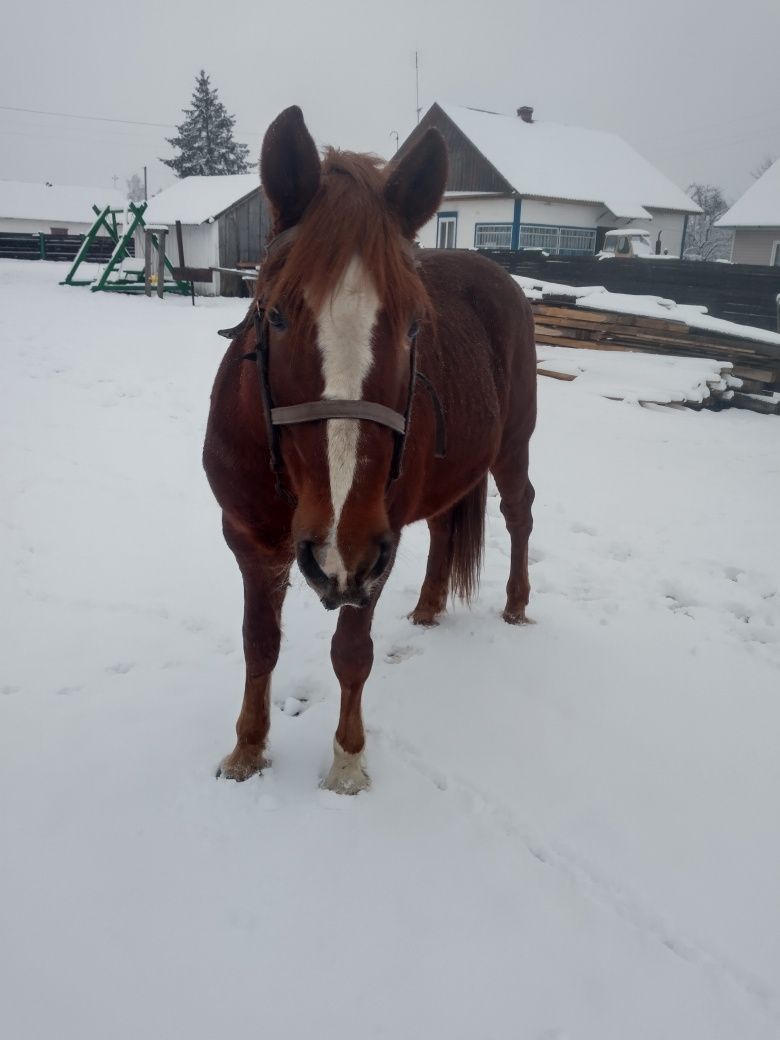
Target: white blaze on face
point(344, 328)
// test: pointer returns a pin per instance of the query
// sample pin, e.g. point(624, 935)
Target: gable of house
point(759, 207)
point(493, 152)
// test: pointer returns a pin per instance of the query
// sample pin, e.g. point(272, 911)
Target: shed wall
point(754, 247)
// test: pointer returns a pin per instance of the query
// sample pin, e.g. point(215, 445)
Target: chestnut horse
point(369, 352)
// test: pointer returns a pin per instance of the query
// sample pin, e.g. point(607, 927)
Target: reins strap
point(399, 440)
point(260, 355)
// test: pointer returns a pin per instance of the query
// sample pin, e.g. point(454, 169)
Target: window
point(775, 261)
point(560, 240)
point(59, 231)
point(493, 236)
point(446, 230)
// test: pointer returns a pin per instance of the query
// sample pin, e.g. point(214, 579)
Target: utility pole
point(394, 133)
point(146, 194)
point(417, 83)
point(115, 179)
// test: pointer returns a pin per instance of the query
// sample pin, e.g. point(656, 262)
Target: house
point(515, 182)
point(52, 209)
point(755, 218)
point(224, 222)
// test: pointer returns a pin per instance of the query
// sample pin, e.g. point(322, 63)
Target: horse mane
point(347, 217)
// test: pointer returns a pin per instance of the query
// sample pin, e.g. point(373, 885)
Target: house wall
point(754, 246)
point(670, 224)
point(201, 249)
point(16, 226)
point(562, 214)
point(470, 212)
point(551, 213)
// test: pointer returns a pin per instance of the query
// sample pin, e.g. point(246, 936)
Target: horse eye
point(414, 329)
point(275, 318)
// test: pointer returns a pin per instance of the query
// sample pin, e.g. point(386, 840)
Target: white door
point(445, 232)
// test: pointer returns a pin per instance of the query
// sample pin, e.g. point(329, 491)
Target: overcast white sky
point(692, 84)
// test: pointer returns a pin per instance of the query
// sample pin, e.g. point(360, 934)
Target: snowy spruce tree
point(205, 140)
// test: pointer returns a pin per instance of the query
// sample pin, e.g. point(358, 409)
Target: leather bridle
point(318, 411)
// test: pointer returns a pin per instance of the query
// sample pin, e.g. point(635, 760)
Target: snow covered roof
point(194, 200)
point(67, 204)
point(759, 206)
point(550, 160)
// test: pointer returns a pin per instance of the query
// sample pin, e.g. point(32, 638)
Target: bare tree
point(135, 188)
point(763, 166)
point(703, 241)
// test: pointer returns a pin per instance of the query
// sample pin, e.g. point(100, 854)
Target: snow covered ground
point(573, 830)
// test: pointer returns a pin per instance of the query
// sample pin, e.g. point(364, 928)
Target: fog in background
point(694, 86)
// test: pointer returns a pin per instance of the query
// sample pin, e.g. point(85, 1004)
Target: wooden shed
point(225, 223)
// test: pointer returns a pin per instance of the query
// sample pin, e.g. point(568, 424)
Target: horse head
point(342, 304)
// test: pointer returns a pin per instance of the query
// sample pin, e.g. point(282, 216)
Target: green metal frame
point(106, 219)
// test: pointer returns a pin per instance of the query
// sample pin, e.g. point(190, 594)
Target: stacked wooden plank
point(756, 364)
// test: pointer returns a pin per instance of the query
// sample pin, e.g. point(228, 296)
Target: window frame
point(446, 217)
point(504, 225)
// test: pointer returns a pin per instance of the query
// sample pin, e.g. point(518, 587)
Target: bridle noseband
point(318, 411)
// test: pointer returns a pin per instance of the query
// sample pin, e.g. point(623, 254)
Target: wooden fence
point(53, 247)
point(744, 293)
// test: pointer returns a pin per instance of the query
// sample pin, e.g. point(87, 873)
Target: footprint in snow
point(65, 691)
point(579, 528)
point(300, 698)
point(6, 691)
point(121, 667)
point(396, 654)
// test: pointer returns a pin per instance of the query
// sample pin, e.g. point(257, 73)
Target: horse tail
point(468, 541)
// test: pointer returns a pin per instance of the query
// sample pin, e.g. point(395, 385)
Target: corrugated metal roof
point(550, 160)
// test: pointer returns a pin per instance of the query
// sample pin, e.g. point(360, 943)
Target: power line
point(73, 115)
point(106, 119)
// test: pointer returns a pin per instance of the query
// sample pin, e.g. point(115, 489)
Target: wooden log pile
point(756, 365)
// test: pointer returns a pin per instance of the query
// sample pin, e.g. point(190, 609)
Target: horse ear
point(289, 167)
point(417, 181)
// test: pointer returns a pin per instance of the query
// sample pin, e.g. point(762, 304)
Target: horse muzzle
point(350, 590)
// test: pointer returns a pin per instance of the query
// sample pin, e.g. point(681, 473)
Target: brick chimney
point(526, 113)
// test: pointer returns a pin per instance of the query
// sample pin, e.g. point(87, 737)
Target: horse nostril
point(307, 563)
point(384, 553)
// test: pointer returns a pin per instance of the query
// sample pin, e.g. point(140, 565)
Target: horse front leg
point(265, 574)
point(352, 654)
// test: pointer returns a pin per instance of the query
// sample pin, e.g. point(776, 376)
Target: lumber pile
point(752, 366)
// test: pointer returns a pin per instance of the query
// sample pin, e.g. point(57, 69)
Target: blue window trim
point(516, 224)
point(493, 223)
point(449, 213)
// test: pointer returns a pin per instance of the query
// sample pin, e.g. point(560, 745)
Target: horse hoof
point(347, 775)
point(517, 618)
point(423, 617)
point(242, 763)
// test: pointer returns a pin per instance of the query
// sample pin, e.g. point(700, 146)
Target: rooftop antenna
point(417, 82)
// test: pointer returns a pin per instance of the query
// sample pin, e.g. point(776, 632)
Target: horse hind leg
point(517, 495)
point(433, 594)
point(455, 555)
